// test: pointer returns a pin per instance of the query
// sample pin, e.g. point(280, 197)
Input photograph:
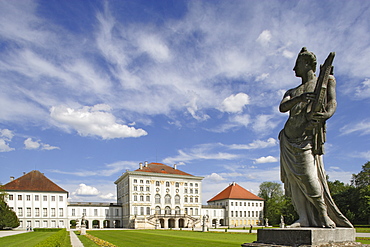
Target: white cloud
point(363, 127)
point(265, 37)
point(86, 190)
point(264, 123)
point(214, 177)
point(94, 121)
point(155, 47)
point(235, 103)
point(268, 159)
point(255, 144)
point(109, 196)
point(5, 137)
point(30, 144)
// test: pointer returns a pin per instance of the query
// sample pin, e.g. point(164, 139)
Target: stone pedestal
point(83, 229)
point(305, 237)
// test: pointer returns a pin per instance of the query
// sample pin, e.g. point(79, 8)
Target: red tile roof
point(235, 191)
point(161, 168)
point(33, 181)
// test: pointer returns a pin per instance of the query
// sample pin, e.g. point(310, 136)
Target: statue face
point(300, 67)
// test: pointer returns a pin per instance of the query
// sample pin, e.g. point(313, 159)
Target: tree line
point(352, 199)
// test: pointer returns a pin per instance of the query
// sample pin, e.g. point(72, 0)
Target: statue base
point(313, 237)
point(83, 230)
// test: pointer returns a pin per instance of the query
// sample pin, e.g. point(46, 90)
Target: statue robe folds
point(299, 170)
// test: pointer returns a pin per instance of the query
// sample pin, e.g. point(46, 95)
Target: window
point(196, 211)
point(135, 210)
point(236, 203)
point(185, 199)
point(52, 212)
point(147, 188)
point(191, 191)
point(241, 213)
point(11, 197)
point(147, 182)
point(252, 204)
point(249, 204)
point(186, 190)
point(106, 212)
point(191, 199)
point(37, 198)
point(167, 184)
point(60, 198)
point(135, 188)
point(177, 210)
point(186, 210)
point(245, 204)
point(167, 199)
point(148, 198)
point(156, 183)
point(177, 184)
point(44, 198)
point(53, 198)
point(191, 184)
point(28, 197)
point(37, 212)
point(141, 210)
point(95, 212)
point(196, 191)
point(256, 213)
point(60, 212)
point(45, 212)
point(232, 204)
point(73, 212)
point(236, 213)
point(45, 223)
point(249, 213)
point(157, 198)
point(252, 213)
point(141, 188)
point(196, 185)
point(117, 212)
point(167, 210)
point(186, 184)
point(19, 197)
point(245, 213)
point(196, 199)
point(141, 198)
point(135, 198)
point(157, 210)
point(177, 199)
point(135, 180)
point(141, 181)
point(147, 210)
point(84, 211)
point(232, 213)
point(28, 212)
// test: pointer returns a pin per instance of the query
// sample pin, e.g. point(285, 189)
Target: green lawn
point(28, 239)
point(132, 238)
point(86, 242)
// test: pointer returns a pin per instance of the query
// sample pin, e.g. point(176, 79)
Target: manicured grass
point(28, 239)
point(363, 240)
point(163, 238)
point(85, 241)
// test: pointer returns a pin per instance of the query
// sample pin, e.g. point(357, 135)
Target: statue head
point(306, 60)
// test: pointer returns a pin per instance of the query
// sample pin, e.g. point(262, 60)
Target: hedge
point(47, 229)
point(58, 239)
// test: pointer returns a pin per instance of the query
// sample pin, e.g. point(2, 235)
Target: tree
point(273, 195)
point(8, 218)
point(362, 183)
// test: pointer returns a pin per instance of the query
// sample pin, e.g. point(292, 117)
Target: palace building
point(153, 196)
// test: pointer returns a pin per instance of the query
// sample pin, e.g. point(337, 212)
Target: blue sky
point(89, 89)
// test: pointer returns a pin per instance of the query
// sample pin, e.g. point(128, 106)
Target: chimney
point(11, 178)
point(175, 166)
point(141, 166)
point(146, 163)
point(24, 173)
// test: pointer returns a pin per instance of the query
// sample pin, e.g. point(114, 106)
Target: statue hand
point(320, 116)
point(305, 97)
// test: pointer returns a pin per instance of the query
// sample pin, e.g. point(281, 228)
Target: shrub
point(58, 239)
point(47, 229)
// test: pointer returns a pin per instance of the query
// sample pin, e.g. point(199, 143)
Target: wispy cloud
point(30, 144)
point(362, 127)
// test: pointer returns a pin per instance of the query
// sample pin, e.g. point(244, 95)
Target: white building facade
point(159, 196)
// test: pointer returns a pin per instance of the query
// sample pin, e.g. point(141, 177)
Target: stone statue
point(83, 220)
point(302, 140)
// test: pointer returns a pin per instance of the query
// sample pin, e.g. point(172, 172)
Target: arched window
point(177, 199)
point(167, 199)
point(177, 184)
point(167, 210)
point(147, 210)
point(157, 210)
point(167, 184)
point(177, 210)
point(156, 183)
point(157, 198)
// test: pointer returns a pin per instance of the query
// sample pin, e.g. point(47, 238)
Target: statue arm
point(288, 102)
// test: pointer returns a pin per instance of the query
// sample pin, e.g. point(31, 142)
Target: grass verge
point(28, 239)
point(163, 238)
